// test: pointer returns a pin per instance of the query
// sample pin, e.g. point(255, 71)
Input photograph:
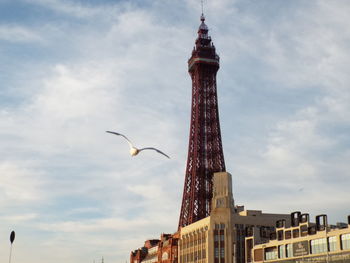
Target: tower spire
point(205, 154)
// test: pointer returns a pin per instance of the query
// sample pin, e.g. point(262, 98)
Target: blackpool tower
point(205, 154)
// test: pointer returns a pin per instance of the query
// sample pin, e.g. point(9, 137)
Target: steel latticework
point(205, 154)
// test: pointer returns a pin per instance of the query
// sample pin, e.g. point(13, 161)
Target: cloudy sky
point(71, 69)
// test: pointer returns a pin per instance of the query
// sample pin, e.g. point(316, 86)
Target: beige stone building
point(219, 238)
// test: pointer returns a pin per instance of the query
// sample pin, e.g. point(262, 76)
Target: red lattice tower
point(205, 154)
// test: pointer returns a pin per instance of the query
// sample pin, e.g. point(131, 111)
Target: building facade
point(220, 237)
point(163, 250)
point(301, 241)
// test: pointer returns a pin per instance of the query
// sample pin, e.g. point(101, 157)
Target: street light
point(12, 238)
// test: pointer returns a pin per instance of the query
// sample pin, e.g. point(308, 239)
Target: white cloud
point(20, 184)
point(75, 94)
point(21, 34)
point(72, 8)
point(110, 224)
point(19, 218)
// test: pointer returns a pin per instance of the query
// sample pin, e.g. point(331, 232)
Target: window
point(345, 241)
point(219, 202)
point(249, 246)
point(165, 256)
point(288, 234)
point(263, 232)
point(282, 251)
point(216, 252)
point(303, 230)
point(222, 235)
point(222, 252)
point(270, 253)
point(280, 234)
point(318, 246)
point(289, 250)
point(295, 233)
point(332, 243)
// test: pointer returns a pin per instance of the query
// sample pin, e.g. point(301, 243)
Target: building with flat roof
point(300, 241)
point(157, 250)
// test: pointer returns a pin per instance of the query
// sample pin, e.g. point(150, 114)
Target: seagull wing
point(119, 134)
point(151, 148)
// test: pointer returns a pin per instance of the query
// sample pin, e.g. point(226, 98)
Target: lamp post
point(327, 259)
point(12, 238)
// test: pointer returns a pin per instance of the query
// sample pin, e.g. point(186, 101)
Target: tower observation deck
point(205, 153)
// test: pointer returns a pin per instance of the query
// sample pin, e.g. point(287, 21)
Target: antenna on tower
point(202, 3)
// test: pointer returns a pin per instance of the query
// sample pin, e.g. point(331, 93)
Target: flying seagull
point(133, 150)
